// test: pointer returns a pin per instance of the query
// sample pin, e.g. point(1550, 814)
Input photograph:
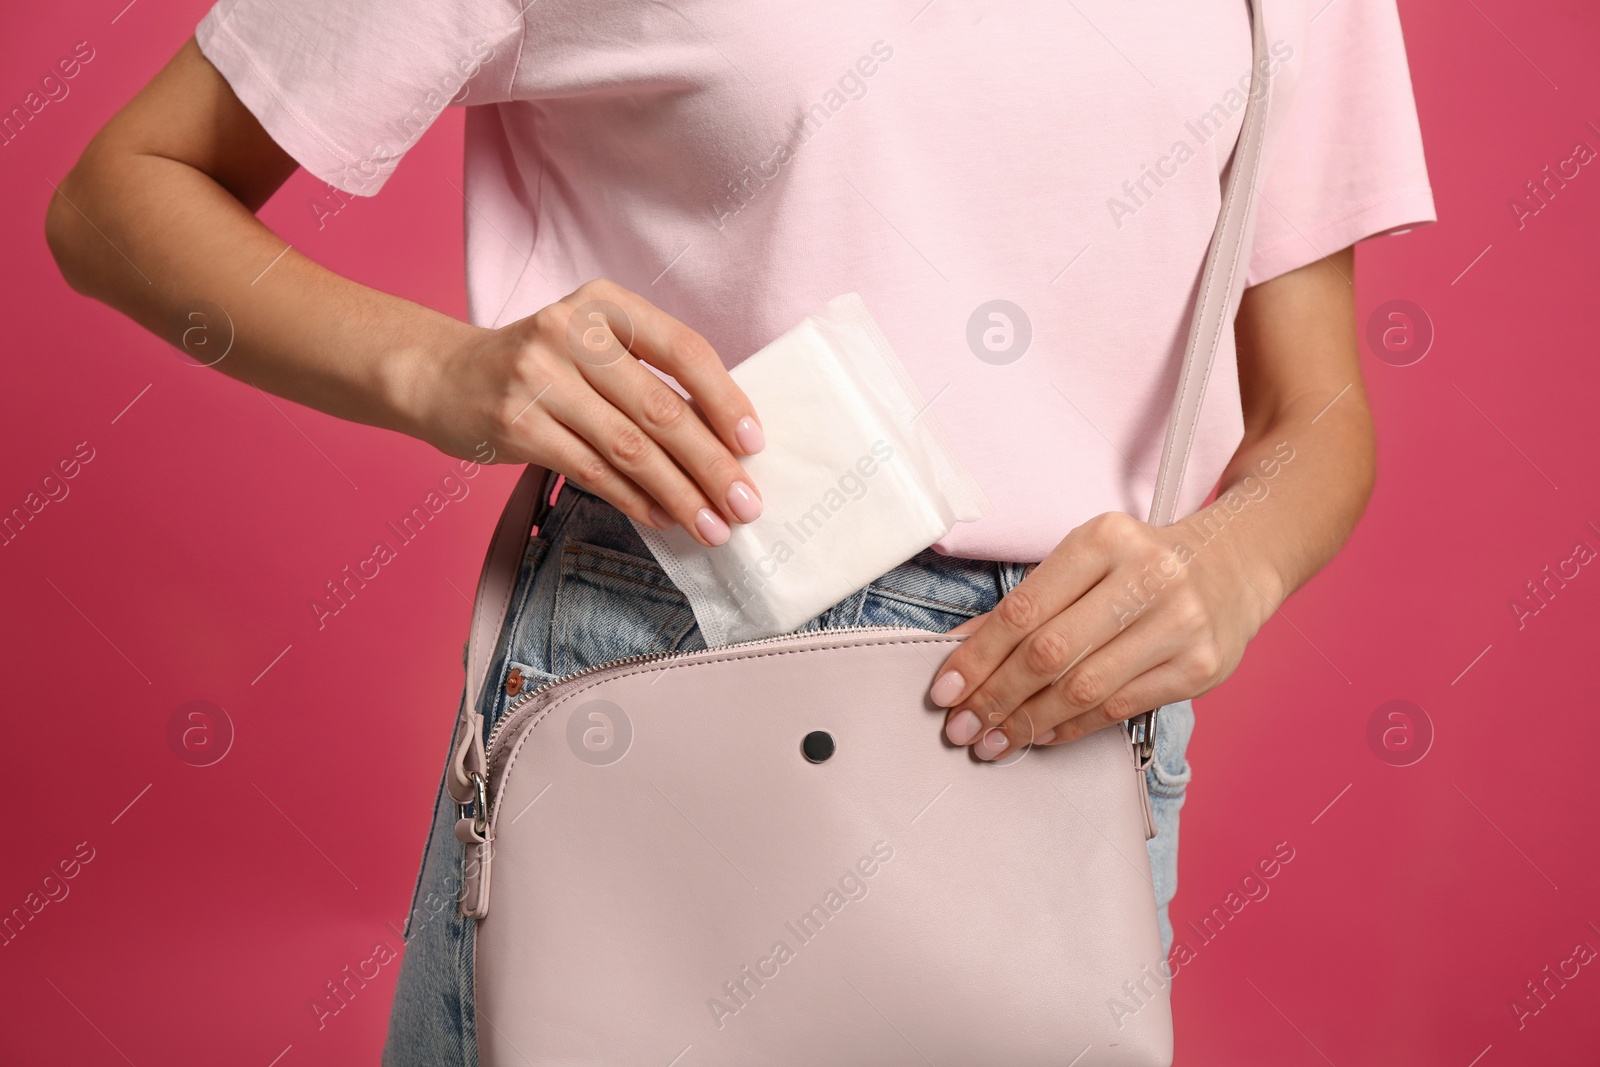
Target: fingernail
point(743, 502)
point(962, 728)
point(711, 527)
point(947, 689)
point(1046, 737)
point(749, 436)
point(660, 519)
point(994, 742)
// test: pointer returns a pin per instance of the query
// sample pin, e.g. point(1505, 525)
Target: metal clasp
point(1142, 732)
point(479, 808)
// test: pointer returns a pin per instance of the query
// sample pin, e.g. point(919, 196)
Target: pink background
point(181, 564)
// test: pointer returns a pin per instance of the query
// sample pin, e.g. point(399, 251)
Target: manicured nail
point(994, 742)
point(1046, 737)
point(660, 519)
point(711, 527)
point(743, 502)
point(749, 436)
point(962, 728)
point(947, 690)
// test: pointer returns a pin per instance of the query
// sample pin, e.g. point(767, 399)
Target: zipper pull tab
point(472, 830)
point(1142, 732)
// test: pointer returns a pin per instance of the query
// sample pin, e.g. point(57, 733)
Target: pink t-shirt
point(1022, 193)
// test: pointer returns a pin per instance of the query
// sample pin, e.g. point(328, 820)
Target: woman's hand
point(567, 388)
point(1123, 617)
point(1120, 618)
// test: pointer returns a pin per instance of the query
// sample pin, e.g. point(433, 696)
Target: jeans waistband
point(581, 516)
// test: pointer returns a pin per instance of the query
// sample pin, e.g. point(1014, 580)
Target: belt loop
point(1011, 575)
point(1015, 573)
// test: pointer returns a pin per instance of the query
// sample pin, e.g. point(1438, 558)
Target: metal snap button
point(514, 682)
point(817, 746)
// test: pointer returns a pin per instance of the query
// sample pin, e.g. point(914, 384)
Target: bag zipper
point(521, 706)
point(475, 818)
point(1141, 728)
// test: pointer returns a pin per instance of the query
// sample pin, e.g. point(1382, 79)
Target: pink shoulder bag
point(767, 853)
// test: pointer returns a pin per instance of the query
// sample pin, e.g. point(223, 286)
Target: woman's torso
point(739, 165)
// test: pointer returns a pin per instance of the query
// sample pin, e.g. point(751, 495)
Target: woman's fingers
point(1099, 684)
point(1031, 670)
point(625, 446)
point(1154, 688)
point(666, 418)
point(639, 424)
point(565, 451)
point(667, 344)
point(1074, 567)
point(1055, 652)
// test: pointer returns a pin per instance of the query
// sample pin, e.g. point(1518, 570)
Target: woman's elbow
point(65, 228)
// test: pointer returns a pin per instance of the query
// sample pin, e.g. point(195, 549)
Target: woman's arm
point(1123, 617)
point(158, 215)
point(1300, 383)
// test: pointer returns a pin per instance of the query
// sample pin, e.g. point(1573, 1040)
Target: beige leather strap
point(1221, 285)
point(496, 582)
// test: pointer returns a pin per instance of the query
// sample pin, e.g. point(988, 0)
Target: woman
point(1024, 196)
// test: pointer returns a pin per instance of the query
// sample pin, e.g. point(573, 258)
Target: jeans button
point(514, 682)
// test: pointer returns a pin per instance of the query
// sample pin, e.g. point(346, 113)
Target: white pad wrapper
point(857, 477)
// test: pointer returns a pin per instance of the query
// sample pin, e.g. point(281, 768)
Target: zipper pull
point(472, 831)
point(469, 788)
point(1142, 732)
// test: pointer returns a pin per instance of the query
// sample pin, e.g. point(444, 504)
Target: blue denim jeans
point(589, 592)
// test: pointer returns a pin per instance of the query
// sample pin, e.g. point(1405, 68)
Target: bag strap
point(1221, 284)
point(1220, 287)
point(496, 582)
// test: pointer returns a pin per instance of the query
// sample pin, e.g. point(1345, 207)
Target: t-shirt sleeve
point(1348, 164)
point(347, 86)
